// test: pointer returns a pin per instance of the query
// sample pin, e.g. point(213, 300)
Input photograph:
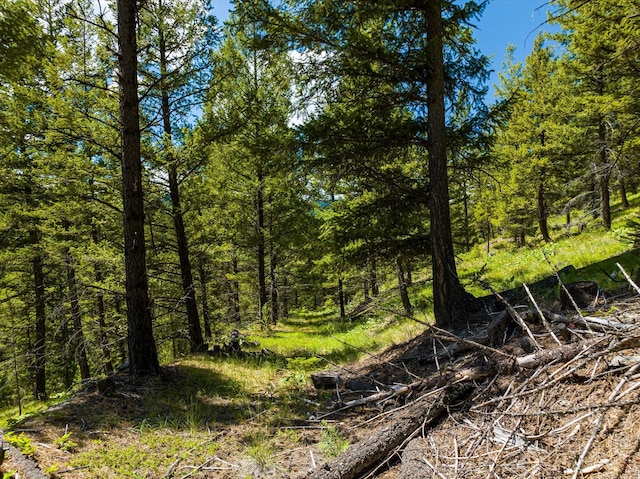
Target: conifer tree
point(143, 356)
point(394, 51)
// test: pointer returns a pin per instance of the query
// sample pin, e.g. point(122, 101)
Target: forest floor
point(524, 411)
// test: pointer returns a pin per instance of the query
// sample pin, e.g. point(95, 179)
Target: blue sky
point(509, 21)
point(503, 22)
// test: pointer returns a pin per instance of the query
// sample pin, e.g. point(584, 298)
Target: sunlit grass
point(506, 269)
point(334, 339)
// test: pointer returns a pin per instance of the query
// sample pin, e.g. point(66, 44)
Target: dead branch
point(631, 282)
point(463, 345)
point(370, 452)
point(514, 314)
point(541, 314)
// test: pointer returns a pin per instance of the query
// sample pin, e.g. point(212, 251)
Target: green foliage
point(52, 471)
point(259, 448)
point(142, 456)
point(22, 37)
point(331, 443)
point(21, 442)
point(65, 443)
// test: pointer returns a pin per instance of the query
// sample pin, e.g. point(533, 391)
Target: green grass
point(335, 340)
point(506, 269)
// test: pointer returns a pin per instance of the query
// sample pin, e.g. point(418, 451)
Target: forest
point(166, 179)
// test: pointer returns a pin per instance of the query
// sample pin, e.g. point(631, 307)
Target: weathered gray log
point(413, 464)
point(27, 467)
point(368, 453)
point(596, 324)
point(394, 391)
point(562, 353)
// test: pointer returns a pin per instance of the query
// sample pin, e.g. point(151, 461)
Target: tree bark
point(79, 343)
point(450, 300)
point(188, 288)
point(341, 297)
point(102, 324)
point(605, 198)
point(285, 295)
point(623, 193)
point(261, 249)
point(274, 313)
point(143, 355)
point(205, 302)
point(39, 346)
point(604, 171)
point(234, 293)
point(542, 211)
point(373, 276)
point(27, 467)
point(404, 295)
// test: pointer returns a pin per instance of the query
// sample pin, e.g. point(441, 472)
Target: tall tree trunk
point(143, 355)
point(623, 192)
point(39, 346)
point(450, 300)
point(188, 288)
point(465, 211)
point(261, 247)
point(373, 276)
point(604, 170)
point(68, 357)
point(273, 285)
point(79, 343)
point(402, 283)
point(205, 301)
point(284, 295)
point(341, 300)
point(365, 286)
point(542, 212)
point(235, 286)
point(605, 197)
point(102, 323)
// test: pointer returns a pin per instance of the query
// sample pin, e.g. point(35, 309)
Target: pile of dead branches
point(560, 398)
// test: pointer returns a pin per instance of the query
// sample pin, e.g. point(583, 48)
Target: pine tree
point(143, 356)
point(395, 52)
point(175, 67)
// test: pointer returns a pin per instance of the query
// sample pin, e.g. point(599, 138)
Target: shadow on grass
point(181, 398)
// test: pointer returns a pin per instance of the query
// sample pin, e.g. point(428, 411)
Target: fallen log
point(561, 353)
point(596, 324)
point(368, 453)
point(27, 467)
point(413, 461)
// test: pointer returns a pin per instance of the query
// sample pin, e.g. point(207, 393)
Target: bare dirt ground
point(540, 405)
